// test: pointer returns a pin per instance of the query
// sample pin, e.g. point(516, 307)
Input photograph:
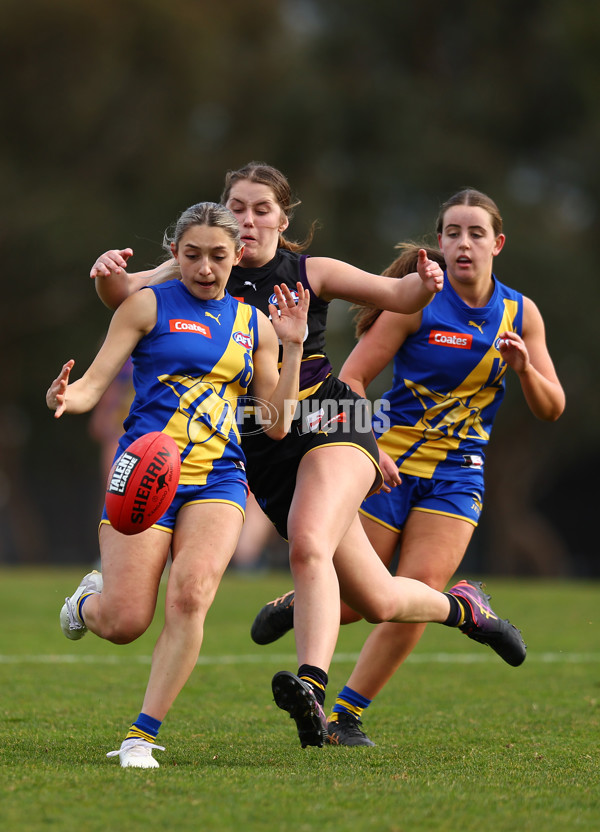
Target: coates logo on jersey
point(179, 325)
point(243, 340)
point(293, 292)
point(458, 340)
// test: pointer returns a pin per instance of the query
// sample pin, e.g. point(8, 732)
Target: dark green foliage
point(117, 115)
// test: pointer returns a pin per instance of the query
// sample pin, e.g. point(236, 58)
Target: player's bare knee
point(306, 551)
point(193, 597)
point(123, 627)
point(380, 610)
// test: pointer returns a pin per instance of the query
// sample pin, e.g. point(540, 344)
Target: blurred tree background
point(118, 115)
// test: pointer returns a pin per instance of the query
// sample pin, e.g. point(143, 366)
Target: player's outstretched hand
point(288, 316)
point(55, 397)
point(430, 272)
point(111, 262)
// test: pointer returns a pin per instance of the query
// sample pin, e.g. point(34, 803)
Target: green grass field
point(464, 742)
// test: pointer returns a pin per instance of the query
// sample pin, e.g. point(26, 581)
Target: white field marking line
point(290, 658)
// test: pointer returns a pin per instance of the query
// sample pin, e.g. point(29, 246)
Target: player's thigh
point(382, 539)
point(204, 541)
point(432, 547)
point(365, 582)
point(132, 566)
point(331, 483)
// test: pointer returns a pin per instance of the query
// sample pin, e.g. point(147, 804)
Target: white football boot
point(70, 621)
point(137, 753)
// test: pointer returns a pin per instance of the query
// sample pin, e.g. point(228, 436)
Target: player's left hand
point(289, 317)
point(430, 272)
point(111, 262)
point(513, 350)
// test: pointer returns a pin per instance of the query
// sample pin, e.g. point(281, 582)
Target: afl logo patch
point(243, 340)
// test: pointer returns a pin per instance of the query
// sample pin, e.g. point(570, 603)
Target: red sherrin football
point(142, 482)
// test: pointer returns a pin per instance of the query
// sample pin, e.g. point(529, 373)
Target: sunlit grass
point(463, 740)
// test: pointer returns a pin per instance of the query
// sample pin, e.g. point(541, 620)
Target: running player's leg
point(385, 542)
point(132, 566)
point(367, 586)
point(276, 618)
point(431, 550)
point(204, 540)
point(330, 485)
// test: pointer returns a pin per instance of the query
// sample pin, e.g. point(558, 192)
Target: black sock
point(457, 612)
point(315, 677)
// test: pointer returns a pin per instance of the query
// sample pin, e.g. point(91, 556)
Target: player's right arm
point(132, 320)
point(114, 283)
point(376, 348)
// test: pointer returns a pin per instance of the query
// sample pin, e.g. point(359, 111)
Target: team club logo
point(273, 298)
point(294, 294)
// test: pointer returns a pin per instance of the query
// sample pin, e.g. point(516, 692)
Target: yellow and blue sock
point(80, 604)
point(349, 701)
point(144, 728)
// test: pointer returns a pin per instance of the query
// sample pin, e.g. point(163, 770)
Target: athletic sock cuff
point(456, 615)
point(351, 702)
point(145, 727)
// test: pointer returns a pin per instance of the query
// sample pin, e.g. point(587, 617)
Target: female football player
point(187, 382)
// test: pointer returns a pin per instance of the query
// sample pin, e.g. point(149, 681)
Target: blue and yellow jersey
point(448, 384)
point(188, 373)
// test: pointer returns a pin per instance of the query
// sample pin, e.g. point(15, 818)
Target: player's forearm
point(354, 383)
point(81, 397)
point(114, 288)
point(284, 398)
point(545, 398)
point(411, 295)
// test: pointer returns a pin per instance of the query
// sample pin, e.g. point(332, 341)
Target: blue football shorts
point(462, 499)
point(232, 490)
